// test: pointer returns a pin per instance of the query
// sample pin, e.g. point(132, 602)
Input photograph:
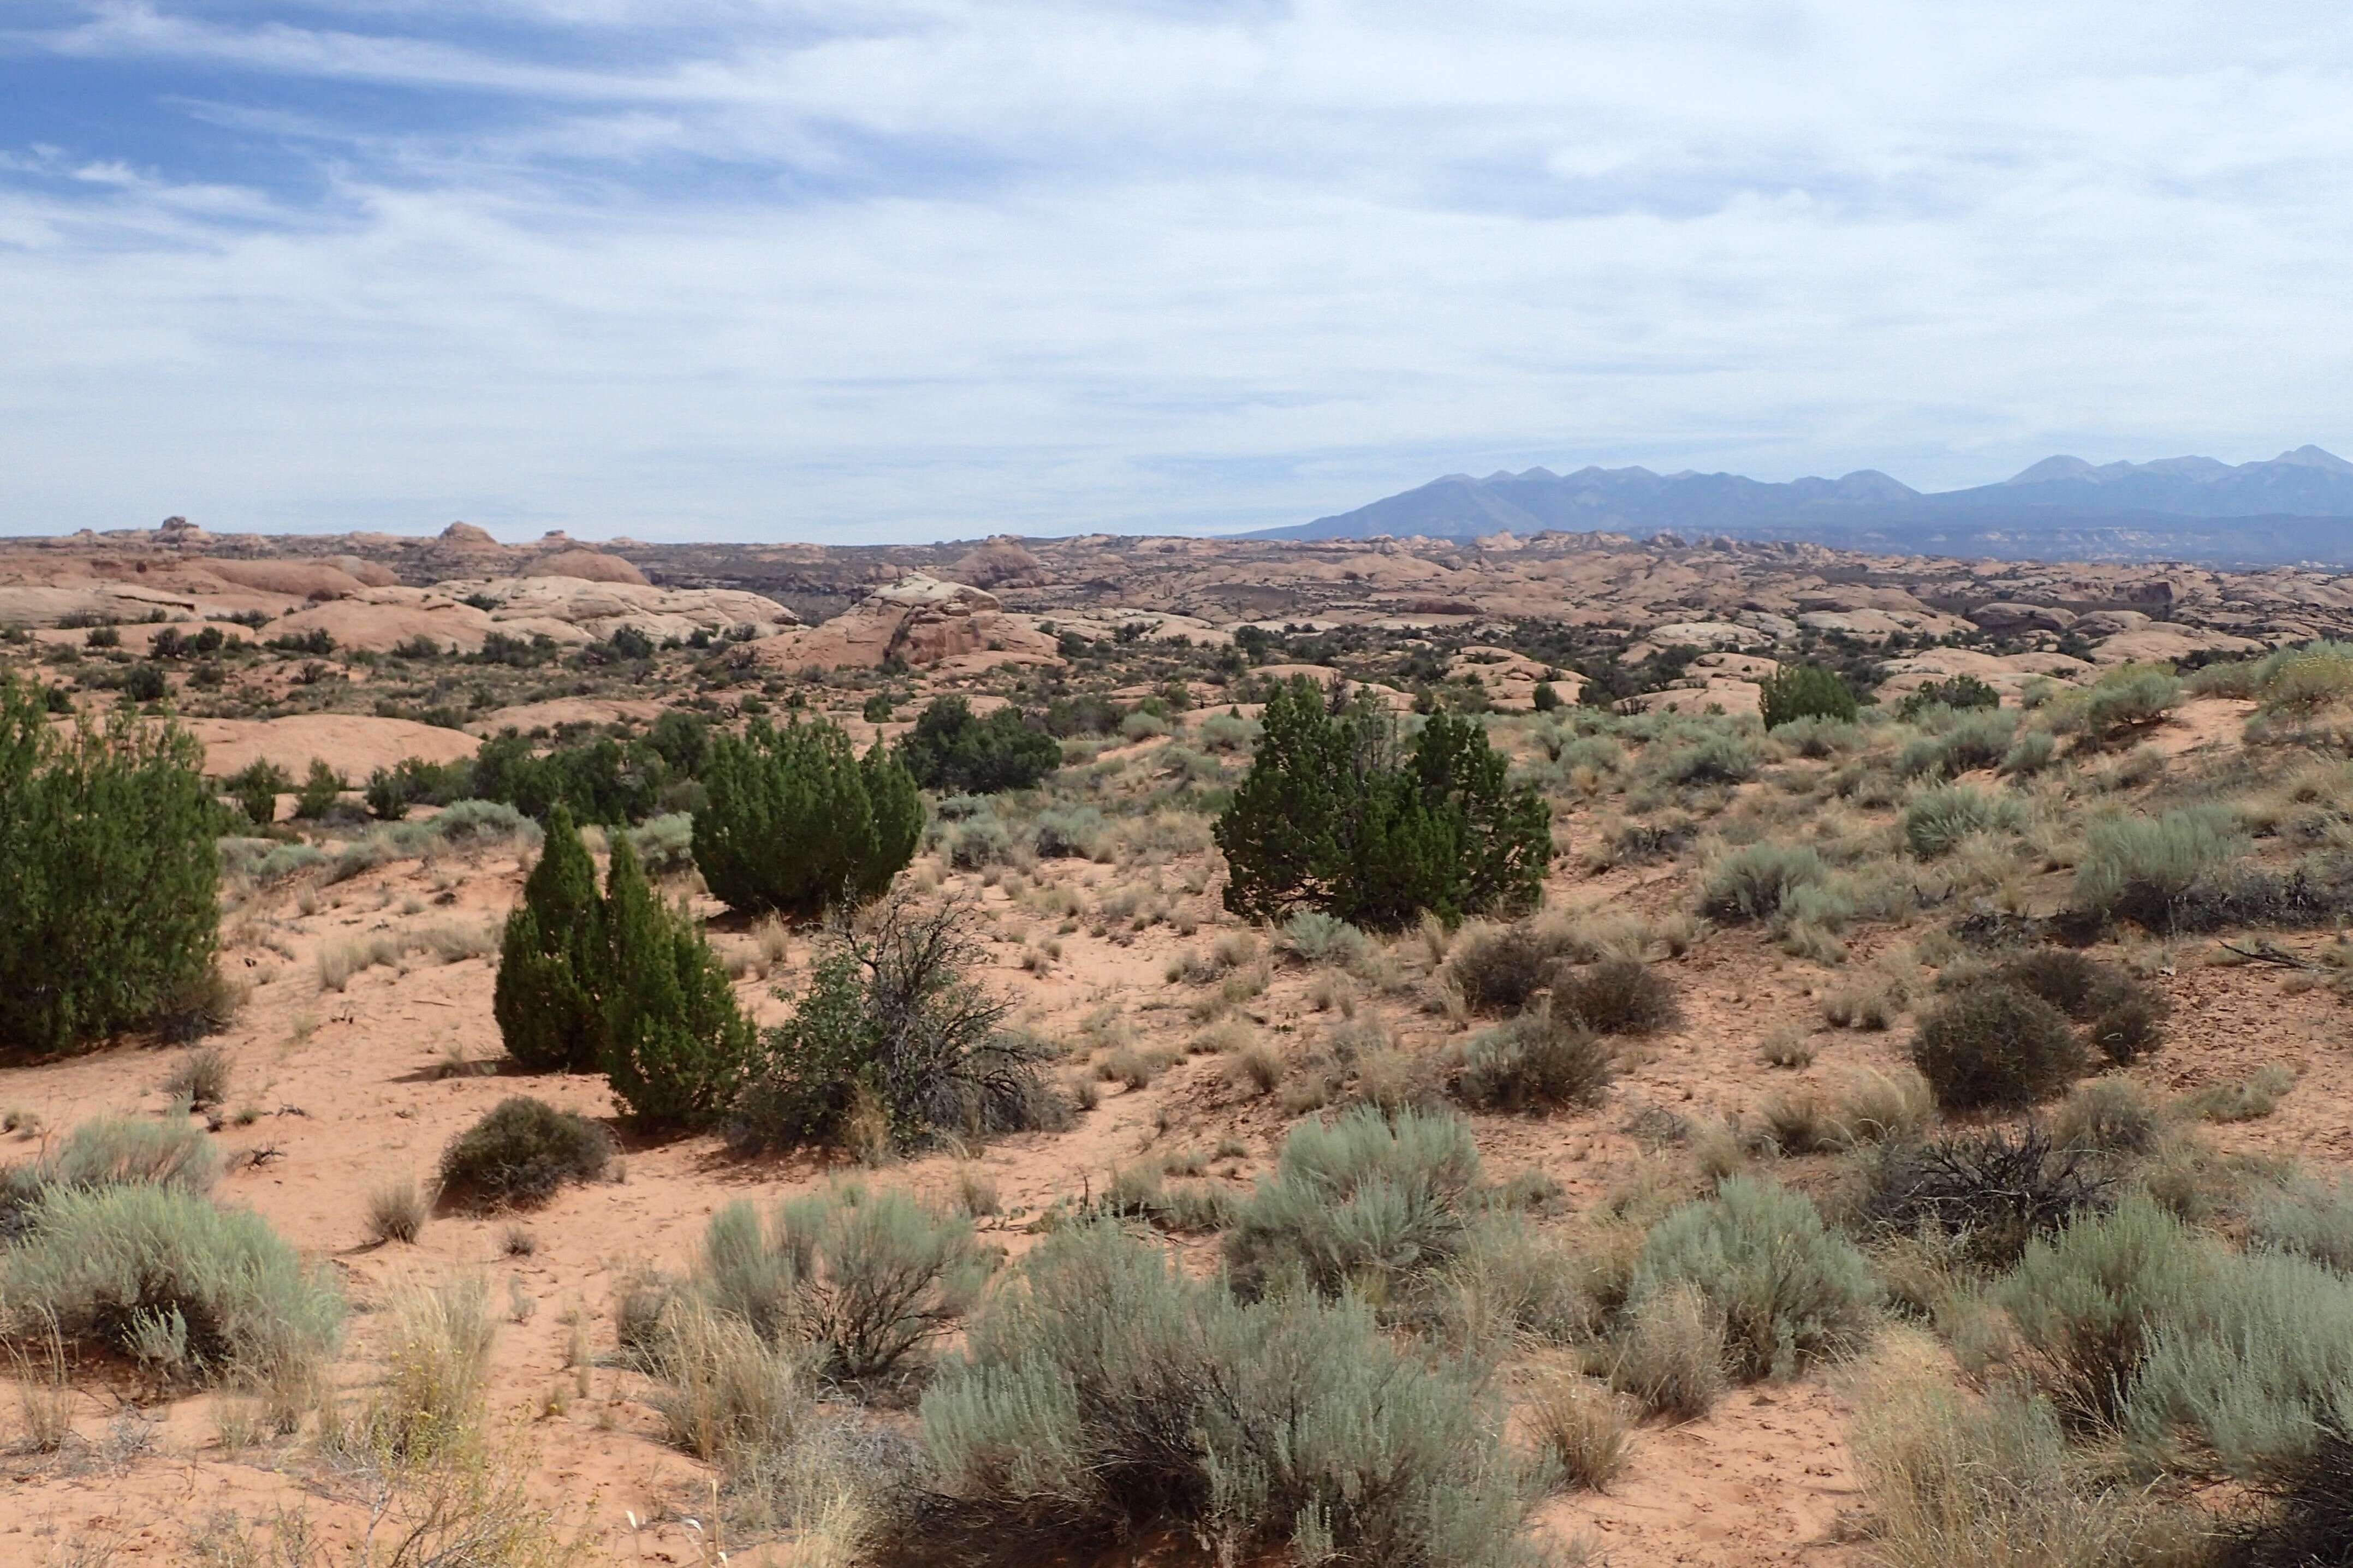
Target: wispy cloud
point(720, 267)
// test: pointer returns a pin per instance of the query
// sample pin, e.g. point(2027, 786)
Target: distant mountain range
point(2296, 507)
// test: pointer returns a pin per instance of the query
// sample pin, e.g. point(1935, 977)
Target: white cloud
point(747, 269)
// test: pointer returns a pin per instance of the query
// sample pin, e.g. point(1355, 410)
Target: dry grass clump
point(396, 1212)
point(201, 1079)
point(1581, 1425)
point(1670, 1353)
point(1877, 1107)
point(2250, 1100)
point(2108, 1116)
point(1786, 1046)
point(438, 1350)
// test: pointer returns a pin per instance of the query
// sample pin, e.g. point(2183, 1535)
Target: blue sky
point(923, 269)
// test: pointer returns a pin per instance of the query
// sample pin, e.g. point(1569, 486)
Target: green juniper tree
point(676, 1043)
point(796, 821)
point(109, 873)
point(1336, 816)
point(553, 968)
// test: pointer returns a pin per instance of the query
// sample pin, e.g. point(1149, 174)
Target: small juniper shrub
point(1993, 1047)
point(1790, 1290)
point(521, 1153)
point(1538, 1061)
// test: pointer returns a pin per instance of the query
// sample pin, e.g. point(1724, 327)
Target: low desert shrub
point(201, 1078)
point(1617, 996)
point(2250, 1099)
point(2310, 1218)
point(1877, 1107)
point(1500, 969)
point(1320, 939)
point(2242, 1376)
point(1538, 1061)
point(1987, 1194)
point(521, 1153)
point(1993, 1047)
point(1966, 743)
point(438, 1355)
point(2087, 1302)
point(1788, 1289)
point(161, 1275)
point(979, 844)
point(1370, 1203)
point(1818, 737)
point(894, 1019)
point(2107, 1115)
point(1959, 693)
point(2140, 868)
point(1938, 817)
point(1108, 1396)
point(1752, 883)
point(859, 1277)
point(1069, 832)
point(725, 1395)
point(2309, 1516)
point(2124, 1020)
point(2124, 700)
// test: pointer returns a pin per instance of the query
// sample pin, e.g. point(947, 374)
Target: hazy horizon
point(937, 270)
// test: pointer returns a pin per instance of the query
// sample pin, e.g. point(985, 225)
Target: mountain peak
point(2311, 456)
point(2050, 468)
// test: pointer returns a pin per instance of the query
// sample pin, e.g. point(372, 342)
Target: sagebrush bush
point(1818, 737)
point(1500, 968)
point(1320, 939)
point(2311, 1218)
point(1617, 996)
point(2107, 1115)
point(1109, 1396)
point(1335, 814)
point(1538, 1061)
point(1752, 883)
point(1069, 833)
point(2140, 868)
point(797, 821)
point(2087, 1302)
point(893, 1018)
point(2244, 1370)
point(1937, 819)
point(522, 1151)
point(857, 1278)
point(109, 872)
point(108, 1152)
point(1993, 1047)
point(1989, 1193)
point(1789, 1290)
point(1714, 759)
point(1963, 742)
point(1369, 1202)
point(161, 1275)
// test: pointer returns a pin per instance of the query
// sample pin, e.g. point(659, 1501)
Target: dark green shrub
point(603, 781)
point(1959, 692)
point(144, 682)
point(159, 1274)
point(256, 788)
point(322, 787)
point(1617, 996)
point(1541, 1060)
point(1335, 815)
point(110, 872)
point(1989, 1193)
point(387, 794)
point(676, 1044)
point(797, 823)
point(863, 1278)
point(950, 751)
point(2123, 1019)
point(1111, 1397)
point(553, 961)
point(1804, 691)
point(522, 1151)
point(1369, 1202)
point(893, 1015)
point(1547, 697)
point(1789, 1290)
point(1994, 1047)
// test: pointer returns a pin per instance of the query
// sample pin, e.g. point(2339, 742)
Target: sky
point(915, 269)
